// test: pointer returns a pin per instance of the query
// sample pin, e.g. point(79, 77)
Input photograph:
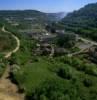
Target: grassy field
point(35, 71)
point(7, 42)
point(32, 74)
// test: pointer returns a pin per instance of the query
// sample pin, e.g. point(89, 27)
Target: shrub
point(88, 82)
point(65, 72)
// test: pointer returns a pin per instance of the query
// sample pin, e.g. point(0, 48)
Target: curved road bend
point(18, 44)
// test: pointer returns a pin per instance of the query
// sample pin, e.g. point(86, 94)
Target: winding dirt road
point(8, 90)
point(17, 47)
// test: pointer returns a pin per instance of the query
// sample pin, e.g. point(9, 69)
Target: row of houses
point(46, 41)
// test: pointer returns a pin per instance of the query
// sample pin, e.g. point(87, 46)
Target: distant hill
point(30, 15)
point(83, 21)
point(85, 15)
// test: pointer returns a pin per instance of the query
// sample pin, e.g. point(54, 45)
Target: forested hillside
point(83, 21)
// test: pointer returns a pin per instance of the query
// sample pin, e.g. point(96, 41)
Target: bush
point(88, 82)
point(65, 72)
point(13, 59)
point(90, 69)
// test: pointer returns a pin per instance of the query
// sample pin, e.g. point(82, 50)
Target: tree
point(66, 40)
point(65, 72)
point(13, 59)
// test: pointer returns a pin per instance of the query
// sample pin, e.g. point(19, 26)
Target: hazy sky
point(44, 5)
